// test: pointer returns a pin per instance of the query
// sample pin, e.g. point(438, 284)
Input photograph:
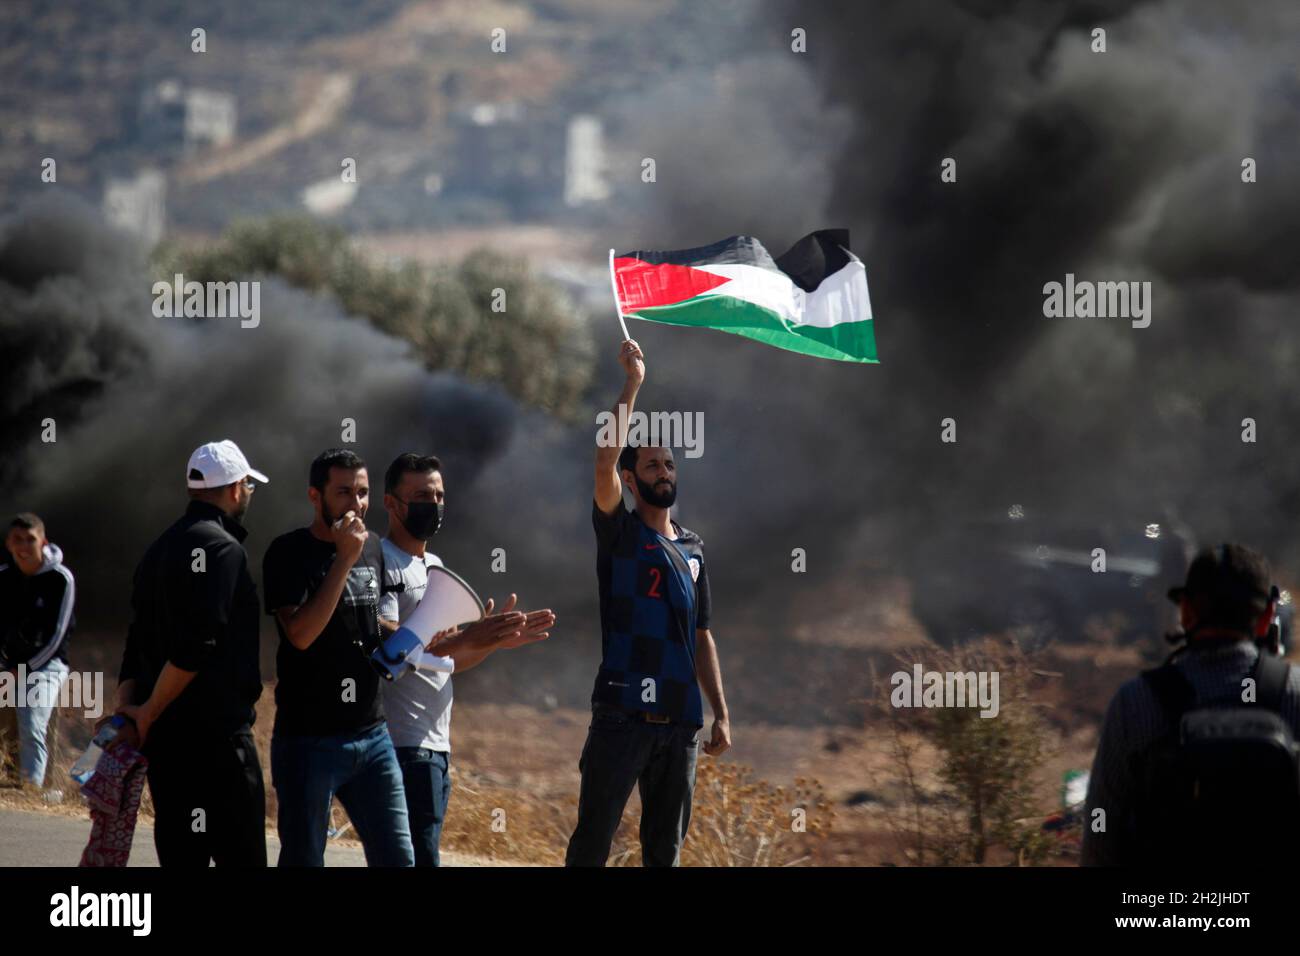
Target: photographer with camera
point(1196, 751)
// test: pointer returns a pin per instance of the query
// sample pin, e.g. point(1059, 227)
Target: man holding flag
point(657, 652)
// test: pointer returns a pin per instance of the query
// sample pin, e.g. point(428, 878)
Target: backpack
point(1218, 774)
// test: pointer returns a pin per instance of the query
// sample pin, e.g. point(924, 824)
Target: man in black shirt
point(330, 739)
point(190, 674)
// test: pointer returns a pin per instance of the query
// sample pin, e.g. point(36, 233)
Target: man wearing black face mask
point(418, 705)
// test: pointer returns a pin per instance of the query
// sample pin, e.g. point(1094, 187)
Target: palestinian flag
point(812, 300)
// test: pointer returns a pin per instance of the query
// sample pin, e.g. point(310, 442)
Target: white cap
point(220, 463)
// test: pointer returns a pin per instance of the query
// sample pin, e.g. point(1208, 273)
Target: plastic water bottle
point(84, 768)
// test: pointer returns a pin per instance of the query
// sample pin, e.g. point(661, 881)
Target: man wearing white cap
point(190, 674)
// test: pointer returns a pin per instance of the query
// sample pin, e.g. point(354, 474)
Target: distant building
point(584, 162)
point(173, 120)
point(161, 118)
point(209, 118)
point(138, 205)
point(533, 162)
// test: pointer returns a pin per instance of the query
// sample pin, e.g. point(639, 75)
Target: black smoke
point(1123, 166)
point(131, 395)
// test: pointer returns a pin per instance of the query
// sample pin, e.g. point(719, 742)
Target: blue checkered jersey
point(654, 593)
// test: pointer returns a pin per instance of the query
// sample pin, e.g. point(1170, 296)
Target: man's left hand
point(143, 721)
point(720, 741)
point(537, 627)
point(439, 637)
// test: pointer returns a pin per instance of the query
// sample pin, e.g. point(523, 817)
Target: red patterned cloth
point(113, 792)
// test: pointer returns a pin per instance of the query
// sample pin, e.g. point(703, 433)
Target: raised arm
point(304, 623)
point(609, 490)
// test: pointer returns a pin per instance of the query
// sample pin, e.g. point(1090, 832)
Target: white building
point(138, 205)
point(209, 118)
point(584, 162)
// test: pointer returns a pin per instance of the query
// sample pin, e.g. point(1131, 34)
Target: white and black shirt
point(418, 704)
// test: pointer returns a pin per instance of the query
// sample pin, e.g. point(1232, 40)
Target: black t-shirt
point(329, 688)
point(654, 596)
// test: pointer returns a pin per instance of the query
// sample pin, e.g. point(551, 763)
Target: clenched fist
point(633, 361)
point(349, 534)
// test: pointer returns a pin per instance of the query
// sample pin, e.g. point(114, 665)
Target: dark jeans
point(361, 770)
point(427, 780)
point(209, 801)
point(623, 750)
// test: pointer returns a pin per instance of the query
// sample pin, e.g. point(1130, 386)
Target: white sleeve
point(388, 603)
point(46, 653)
point(431, 662)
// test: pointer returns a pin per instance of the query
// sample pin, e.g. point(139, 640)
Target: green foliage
point(538, 348)
point(984, 792)
point(988, 763)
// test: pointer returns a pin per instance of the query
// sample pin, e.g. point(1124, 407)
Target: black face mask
point(423, 519)
point(651, 496)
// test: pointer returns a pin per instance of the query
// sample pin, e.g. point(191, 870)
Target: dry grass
point(506, 823)
point(739, 821)
point(736, 819)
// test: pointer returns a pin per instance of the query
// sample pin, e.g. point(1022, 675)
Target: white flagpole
point(613, 284)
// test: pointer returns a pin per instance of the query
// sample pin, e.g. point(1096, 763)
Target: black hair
point(1238, 604)
point(404, 464)
point(332, 458)
point(27, 521)
point(627, 458)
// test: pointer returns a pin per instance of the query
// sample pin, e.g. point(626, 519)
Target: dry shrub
point(981, 795)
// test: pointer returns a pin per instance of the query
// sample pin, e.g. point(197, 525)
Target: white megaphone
point(448, 602)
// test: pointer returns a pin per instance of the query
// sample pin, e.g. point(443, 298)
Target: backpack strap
point(384, 586)
point(1271, 676)
point(1172, 690)
point(681, 565)
point(372, 555)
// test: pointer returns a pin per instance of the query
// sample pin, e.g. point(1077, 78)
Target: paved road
point(31, 838)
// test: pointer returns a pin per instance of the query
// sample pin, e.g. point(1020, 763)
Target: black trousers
point(209, 802)
point(623, 751)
